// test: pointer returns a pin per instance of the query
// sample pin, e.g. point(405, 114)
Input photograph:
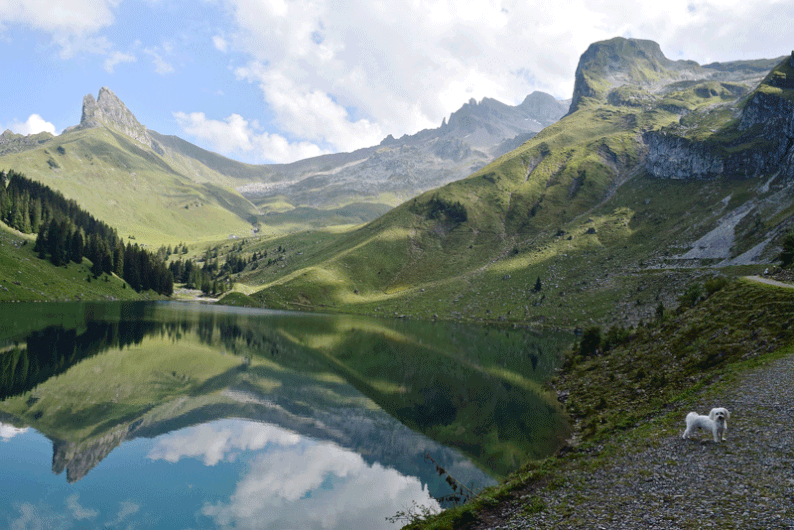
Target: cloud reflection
point(215, 442)
point(9, 431)
point(317, 487)
point(294, 482)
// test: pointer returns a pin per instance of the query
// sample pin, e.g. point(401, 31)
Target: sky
point(274, 81)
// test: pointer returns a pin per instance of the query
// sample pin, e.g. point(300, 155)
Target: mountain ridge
point(364, 183)
point(581, 206)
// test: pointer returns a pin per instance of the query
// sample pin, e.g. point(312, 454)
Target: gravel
point(667, 482)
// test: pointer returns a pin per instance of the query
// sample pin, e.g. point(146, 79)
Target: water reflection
point(9, 431)
point(292, 481)
point(335, 414)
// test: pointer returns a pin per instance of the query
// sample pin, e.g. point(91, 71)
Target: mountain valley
point(661, 172)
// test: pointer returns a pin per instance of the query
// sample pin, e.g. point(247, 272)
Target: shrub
point(787, 253)
point(715, 284)
point(691, 296)
point(591, 341)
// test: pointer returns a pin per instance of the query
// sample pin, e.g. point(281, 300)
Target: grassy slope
point(665, 366)
point(23, 276)
point(553, 209)
point(135, 190)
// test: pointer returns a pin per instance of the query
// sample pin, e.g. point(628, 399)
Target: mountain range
point(657, 174)
point(155, 186)
point(662, 173)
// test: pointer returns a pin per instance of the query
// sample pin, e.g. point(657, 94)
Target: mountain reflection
point(368, 395)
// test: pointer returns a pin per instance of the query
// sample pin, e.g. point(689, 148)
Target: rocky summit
point(108, 110)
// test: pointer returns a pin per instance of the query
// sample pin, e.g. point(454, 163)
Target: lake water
point(176, 416)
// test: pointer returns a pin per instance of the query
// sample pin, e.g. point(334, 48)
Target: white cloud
point(311, 114)
point(288, 488)
point(78, 511)
point(34, 124)
point(117, 58)
point(344, 75)
point(73, 24)
point(237, 135)
point(161, 66)
point(9, 431)
point(62, 17)
point(219, 441)
point(220, 43)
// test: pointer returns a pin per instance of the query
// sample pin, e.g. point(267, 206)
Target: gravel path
point(746, 482)
point(770, 281)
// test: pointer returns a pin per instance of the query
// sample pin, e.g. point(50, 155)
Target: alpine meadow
point(471, 326)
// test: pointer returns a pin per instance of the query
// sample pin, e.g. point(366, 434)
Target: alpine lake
point(181, 415)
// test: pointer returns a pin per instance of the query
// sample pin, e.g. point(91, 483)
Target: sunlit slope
point(23, 276)
point(553, 209)
point(134, 189)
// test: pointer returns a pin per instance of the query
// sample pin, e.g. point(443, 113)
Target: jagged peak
point(108, 110)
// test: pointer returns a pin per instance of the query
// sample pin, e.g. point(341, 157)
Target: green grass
point(670, 364)
point(157, 200)
point(23, 276)
point(571, 206)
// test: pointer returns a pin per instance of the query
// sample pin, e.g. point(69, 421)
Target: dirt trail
point(770, 281)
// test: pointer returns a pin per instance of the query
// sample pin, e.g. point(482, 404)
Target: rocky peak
point(110, 111)
point(619, 61)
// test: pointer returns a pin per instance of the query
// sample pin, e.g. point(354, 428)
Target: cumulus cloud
point(289, 488)
point(345, 75)
point(220, 43)
point(161, 66)
point(235, 134)
point(309, 113)
point(37, 517)
point(34, 124)
point(73, 24)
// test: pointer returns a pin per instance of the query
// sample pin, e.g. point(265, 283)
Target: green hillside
point(576, 207)
point(141, 193)
point(25, 277)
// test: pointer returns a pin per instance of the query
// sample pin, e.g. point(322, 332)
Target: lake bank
point(630, 398)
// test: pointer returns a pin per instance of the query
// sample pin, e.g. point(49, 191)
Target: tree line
point(65, 233)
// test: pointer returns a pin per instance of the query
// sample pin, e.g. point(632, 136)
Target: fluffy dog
point(716, 422)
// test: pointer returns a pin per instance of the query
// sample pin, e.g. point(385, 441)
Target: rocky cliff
point(756, 136)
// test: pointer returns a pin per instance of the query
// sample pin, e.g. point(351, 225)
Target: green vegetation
point(787, 253)
point(23, 276)
point(668, 364)
point(159, 200)
point(66, 234)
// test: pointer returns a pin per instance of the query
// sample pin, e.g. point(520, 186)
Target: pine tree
point(76, 246)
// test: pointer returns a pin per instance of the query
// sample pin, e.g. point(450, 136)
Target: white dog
point(716, 422)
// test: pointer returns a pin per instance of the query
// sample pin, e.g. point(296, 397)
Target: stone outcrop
point(762, 142)
point(109, 111)
point(11, 142)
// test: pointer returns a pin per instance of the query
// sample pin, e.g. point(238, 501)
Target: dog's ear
point(712, 414)
point(727, 413)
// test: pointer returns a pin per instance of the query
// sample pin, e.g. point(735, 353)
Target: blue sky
point(280, 80)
